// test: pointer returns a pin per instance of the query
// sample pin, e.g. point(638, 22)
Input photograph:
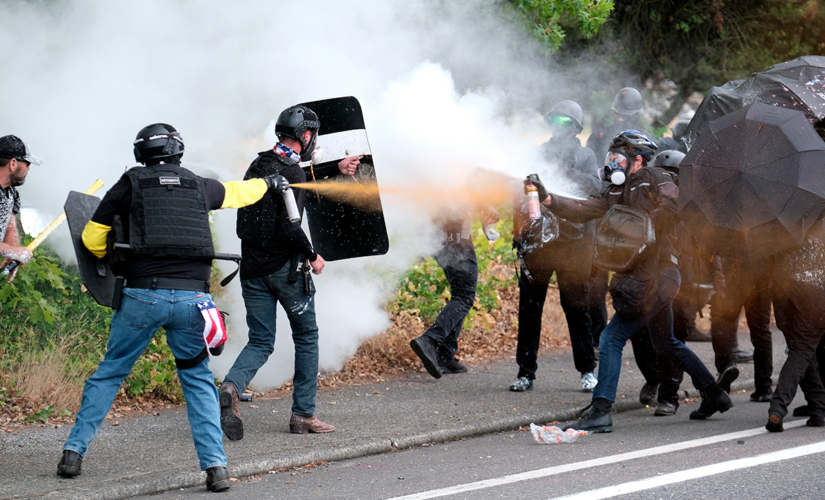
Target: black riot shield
point(350, 222)
point(95, 273)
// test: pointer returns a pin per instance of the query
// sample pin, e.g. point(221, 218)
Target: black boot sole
point(67, 472)
point(431, 365)
point(727, 378)
point(231, 425)
point(697, 415)
point(219, 486)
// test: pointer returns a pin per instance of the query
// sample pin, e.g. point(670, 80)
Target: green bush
point(424, 289)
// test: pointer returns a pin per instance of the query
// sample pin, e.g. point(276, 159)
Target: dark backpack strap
point(185, 364)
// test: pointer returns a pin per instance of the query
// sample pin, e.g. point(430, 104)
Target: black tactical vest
point(168, 216)
point(260, 223)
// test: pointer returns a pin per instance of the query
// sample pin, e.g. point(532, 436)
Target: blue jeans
point(261, 297)
point(140, 315)
point(659, 322)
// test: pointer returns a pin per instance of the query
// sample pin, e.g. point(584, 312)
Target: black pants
point(597, 305)
point(461, 269)
point(571, 262)
point(801, 369)
point(745, 286)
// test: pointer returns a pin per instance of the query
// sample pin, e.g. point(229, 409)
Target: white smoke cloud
point(83, 77)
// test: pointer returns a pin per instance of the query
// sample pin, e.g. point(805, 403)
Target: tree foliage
point(550, 20)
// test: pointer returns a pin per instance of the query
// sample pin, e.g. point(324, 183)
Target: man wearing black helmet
point(568, 255)
point(15, 160)
point(277, 257)
point(643, 292)
point(627, 108)
point(162, 212)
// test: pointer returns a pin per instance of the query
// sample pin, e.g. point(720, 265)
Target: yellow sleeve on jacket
point(94, 237)
point(242, 193)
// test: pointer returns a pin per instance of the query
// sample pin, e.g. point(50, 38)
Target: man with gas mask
point(277, 258)
point(647, 278)
point(566, 251)
point(15, 160)
point(162, 212)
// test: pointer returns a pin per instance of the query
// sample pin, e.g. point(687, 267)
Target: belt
point(168, 284)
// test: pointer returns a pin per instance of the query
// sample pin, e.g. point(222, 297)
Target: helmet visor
point(615, 158)
point(560, 121)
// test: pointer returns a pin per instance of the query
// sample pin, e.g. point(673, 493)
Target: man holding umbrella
point(752, 188)
point(651, 193)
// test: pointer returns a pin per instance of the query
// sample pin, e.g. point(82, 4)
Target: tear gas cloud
point(445, 86)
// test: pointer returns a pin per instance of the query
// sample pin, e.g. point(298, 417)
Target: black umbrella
point(754, 182)
point(798, 84)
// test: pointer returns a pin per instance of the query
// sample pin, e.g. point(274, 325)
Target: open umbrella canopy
point(798, 84)
point(754, 182)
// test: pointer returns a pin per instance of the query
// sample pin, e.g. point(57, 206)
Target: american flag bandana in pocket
point(214, 331)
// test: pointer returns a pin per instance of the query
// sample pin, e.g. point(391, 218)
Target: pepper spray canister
point(533, 205)
point(291, 206)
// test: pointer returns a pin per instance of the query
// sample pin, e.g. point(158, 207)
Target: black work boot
point(70, 463)
point(451, 366)
point(596, 417)
point(424, 348)
point(666, 409)
point(774, 424)
point(217, 479)
point(713, 399)
point(726, 377)
point(648, 393)
point(231, 422)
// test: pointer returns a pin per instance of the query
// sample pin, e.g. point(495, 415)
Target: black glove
point(534, 180)
point(277, 183)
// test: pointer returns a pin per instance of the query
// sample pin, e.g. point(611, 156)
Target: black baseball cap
point(12, 146)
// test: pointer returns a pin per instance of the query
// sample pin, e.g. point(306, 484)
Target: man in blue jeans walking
point(163, 210)
point(277, 257)
point(652, 191)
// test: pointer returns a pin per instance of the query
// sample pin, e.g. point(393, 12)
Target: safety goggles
point(560, 121)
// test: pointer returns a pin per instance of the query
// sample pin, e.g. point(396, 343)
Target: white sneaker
point(589, 381)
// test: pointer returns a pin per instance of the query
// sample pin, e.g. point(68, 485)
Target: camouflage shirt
point(9, 203)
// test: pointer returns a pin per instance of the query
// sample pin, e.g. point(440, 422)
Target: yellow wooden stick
point(50, 229)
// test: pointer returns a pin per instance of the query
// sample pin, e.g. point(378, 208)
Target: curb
point(162, 482)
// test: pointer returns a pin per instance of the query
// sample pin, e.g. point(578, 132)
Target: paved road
point(639, 460)
point(151, 454)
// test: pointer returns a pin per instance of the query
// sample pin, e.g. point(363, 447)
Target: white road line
point(687, 475)
point(611, 459)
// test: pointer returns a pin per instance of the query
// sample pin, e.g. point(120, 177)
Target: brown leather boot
point(303, 425)
point(231, 421)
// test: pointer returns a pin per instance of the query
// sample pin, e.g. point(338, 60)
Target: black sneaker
point(648, 393)
point(742, 355)
point(451, 366)
point(801, 411)
point(761, 396)
point(521, 384)
point(666, 409)
point(217, 479)
point(816, 421)
point(70, 463)
point(424, 348)
point(774, 424)
point(727, 376)
point(593, 420)
point(711, 404)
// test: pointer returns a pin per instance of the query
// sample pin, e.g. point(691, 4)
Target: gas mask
point(614, 167)
point(317, 156)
